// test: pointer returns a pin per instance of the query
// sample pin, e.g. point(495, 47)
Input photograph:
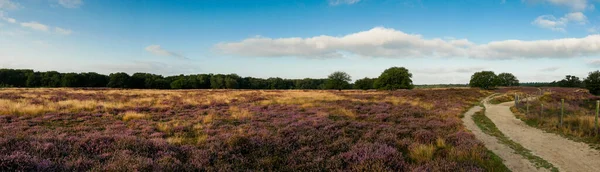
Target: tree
point(119, 80)
point(592, 82)
point(338, 80)
point(570, 81)
point(34, 80)
point(73, 80)
point(51, 79)
point(364, 84)
point(484, 80)
point(507, 80)
point(394, 78)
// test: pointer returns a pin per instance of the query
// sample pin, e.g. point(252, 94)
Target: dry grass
point(21, 107)
point(342, 112)
point(238, 113)
point(131, 115)
point(422, 153)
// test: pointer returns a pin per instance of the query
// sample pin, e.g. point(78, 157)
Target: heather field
point(579, 113)
point(239, 130)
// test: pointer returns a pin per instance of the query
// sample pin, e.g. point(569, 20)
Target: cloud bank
point(390, 43)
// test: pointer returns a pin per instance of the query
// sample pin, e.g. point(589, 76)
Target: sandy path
point(565, 154)
point(514, 162)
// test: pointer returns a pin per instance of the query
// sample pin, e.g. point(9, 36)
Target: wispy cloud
point(594, 63)
point(342, 2)
point(550, 69)
point(62, 31)
point(8, 5)
point(559, 24)
point(158, 50)
point(575, 5)
point(449, 70)
point(35, 25)
point(390, 43)
point(7, 19)
point(70, 3)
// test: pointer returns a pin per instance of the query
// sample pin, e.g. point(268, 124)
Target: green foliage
point(570, 81)
point(338, 80)
point(71, 80)
point(592, 82)
point(394, 78)
point(364, 84)
point(507, 80)
point(119, 80)
point(484, 80)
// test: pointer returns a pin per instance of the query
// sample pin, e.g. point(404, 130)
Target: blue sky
point(438, 41)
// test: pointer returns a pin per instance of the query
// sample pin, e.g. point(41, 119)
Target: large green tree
point(338, 80)
point(484, 80)
point(592, 82)
point(507, 80)
point(394, 78)
point(119, 80)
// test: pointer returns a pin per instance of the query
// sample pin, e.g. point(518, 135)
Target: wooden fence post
point(597, 110)
point(516, 100)
point(562, 111)
point(542, 111)
point(527, 105)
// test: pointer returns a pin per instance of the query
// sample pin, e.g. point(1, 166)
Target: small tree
point(394, 78)
point(592, 82)
point(338, 80)
point(484, 80)
point(507, 80)
point(364, 84)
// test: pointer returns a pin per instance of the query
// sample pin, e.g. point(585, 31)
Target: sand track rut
point(566, 155)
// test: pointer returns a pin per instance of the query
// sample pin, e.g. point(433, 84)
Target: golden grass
point(238, 113)
point(21, 107)
point(131, 115)
point(440, 143)
point(422, 153)
point(343, 112)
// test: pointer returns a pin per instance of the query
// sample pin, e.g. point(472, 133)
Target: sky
point(439, 41)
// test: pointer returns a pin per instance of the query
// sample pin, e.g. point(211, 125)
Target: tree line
point(390, 79)
point(489, 80)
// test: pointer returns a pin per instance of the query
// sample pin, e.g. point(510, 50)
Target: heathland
point(232, 130)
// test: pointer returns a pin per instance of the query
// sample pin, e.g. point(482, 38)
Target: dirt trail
point(514, 162)
point(565, 154)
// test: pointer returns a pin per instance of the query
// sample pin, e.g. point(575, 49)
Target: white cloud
point(35, 25)
point(157, 50)
point(550, 69)
point(62, 31)
point(8, 4)
point(594, 63)
point(385, 42)
point(559, 24)
point(448, 70)
point(575, 5)
point(70, 3)
point(340, 2)
point(7, 19)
